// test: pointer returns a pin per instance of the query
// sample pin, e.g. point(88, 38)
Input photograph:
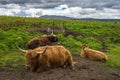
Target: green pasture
point(104, 36)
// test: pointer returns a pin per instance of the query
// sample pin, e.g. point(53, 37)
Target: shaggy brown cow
point(93, 54)
point(43, 58)
point(42, 41)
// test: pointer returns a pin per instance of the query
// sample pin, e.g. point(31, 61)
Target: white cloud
point(62, 10)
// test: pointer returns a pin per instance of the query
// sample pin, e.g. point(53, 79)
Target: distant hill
point(58, 17)
point(118, 20)
point(64, 17)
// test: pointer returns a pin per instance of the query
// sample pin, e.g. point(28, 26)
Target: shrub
point(2, 35)
point(3, 48)
point(116, 39)
point(71, 43)
point(92, 43)
point(80, 38)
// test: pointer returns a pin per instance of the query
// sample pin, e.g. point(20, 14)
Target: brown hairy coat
point(93, 54)
point(44, 58)
point(41, 41)
point(55, 56)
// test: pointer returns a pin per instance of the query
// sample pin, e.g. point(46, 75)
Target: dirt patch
point(84, 70)
point(39, 30)
point(73, 33)
point(46, 30)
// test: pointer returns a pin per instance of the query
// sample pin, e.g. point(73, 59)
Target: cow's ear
point(84, 46)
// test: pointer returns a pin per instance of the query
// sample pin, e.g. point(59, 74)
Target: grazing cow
point(42, 41)
point(44, 58)
point(93, 54)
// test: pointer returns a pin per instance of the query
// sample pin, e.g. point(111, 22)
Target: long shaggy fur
point(54, 56)
point(93, 54)
point(41, 41)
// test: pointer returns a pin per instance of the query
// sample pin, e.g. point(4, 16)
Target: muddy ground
point(84, 70)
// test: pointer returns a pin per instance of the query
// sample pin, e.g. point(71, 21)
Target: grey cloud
point(28, 1)
point(93, 3)
point(12, 1)
point(116, 7)
point(45, 5)
point(72, 3)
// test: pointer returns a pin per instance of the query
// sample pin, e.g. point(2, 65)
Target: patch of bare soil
point(84, 70)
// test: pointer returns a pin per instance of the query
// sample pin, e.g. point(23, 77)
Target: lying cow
point(44, 58)
point(42, 41)
point(93, 54)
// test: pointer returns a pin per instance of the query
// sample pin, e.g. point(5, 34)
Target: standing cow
point(93, 54)
point(42, 41)
point(44, 58)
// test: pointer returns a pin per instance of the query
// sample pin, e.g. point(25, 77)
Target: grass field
point(72, 34)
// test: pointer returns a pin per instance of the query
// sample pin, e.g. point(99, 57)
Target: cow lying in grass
point(42, 41)
point(43, 58)
point(93, 54)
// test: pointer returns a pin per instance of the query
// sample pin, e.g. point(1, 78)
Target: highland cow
point(93, 54)
point(42, 41)
point(43, 58)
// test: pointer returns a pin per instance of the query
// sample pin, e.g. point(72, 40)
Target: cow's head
point(52, 37)
point(84, 46)
point(32, 57)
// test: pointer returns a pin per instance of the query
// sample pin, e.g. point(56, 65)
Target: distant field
point(104, 36)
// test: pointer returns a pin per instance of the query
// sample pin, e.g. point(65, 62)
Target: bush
point(80, 38)
point(113, 55)
point(107, 40)
point(2, 35)
point(3, 48)
point(92, 43)
point(72, 44)
point(116, 39)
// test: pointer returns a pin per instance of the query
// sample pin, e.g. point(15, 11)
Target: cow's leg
point(70, 62)
point(41, 69)
point(65, 65)
point(32, 69)
point(48, 64)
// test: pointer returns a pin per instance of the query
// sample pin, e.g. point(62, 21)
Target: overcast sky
point(105, 9)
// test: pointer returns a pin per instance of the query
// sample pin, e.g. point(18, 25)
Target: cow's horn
point(20, 48)
point(52, 33)
point(42, 52)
